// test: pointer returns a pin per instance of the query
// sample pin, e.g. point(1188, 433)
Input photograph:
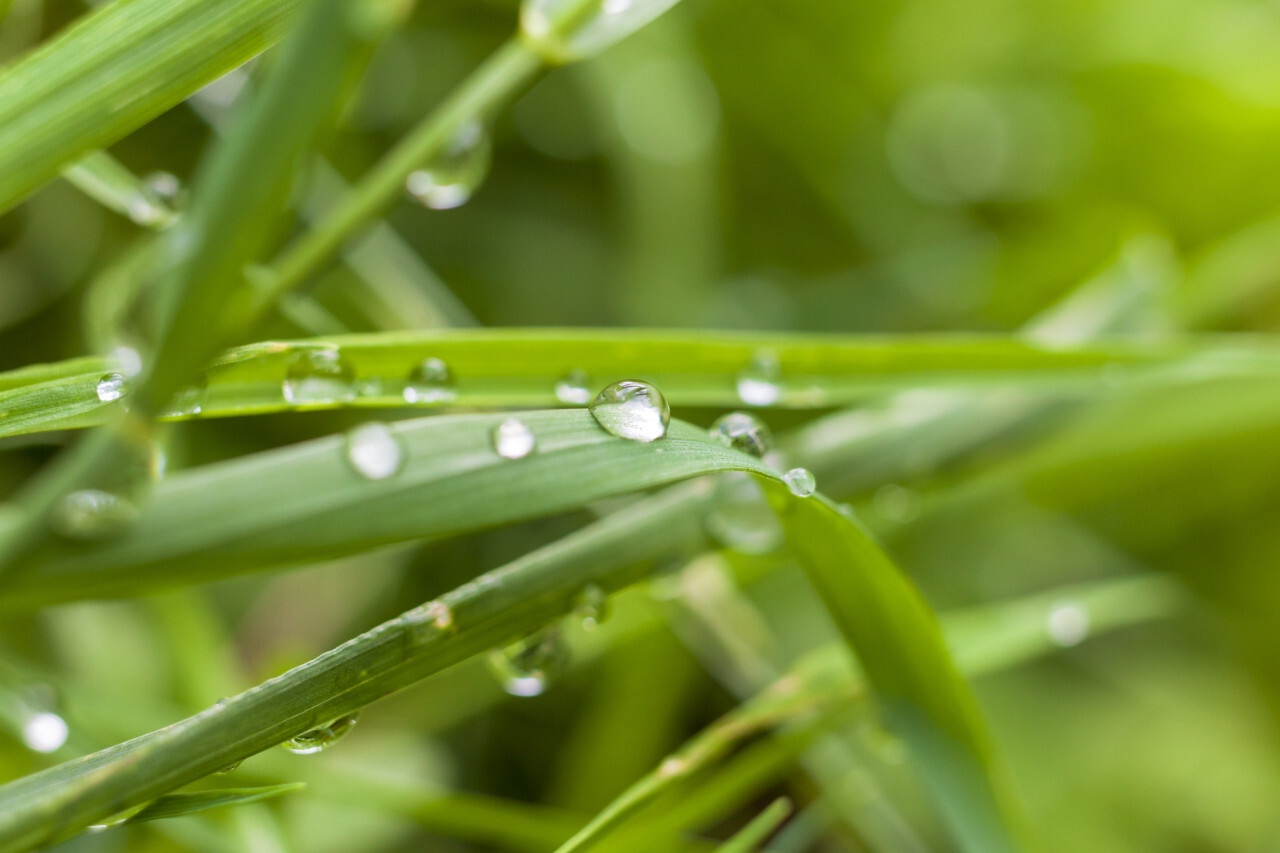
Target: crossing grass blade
point(520, 367)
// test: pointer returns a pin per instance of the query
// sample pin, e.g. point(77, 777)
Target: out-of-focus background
point(847, 167)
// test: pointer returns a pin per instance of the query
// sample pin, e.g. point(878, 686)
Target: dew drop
point(1067, 623)
point(111, 387)
point(320, 376)
point(92, 514)
point(163, 187)
point(592, 607)
point(321, 737)
point(230, 768)
point(512, 439)
point(743, 432)
point(187, 402)
point(800, 481)
point(430, 382)
point(374, 451)
point(525, 668)
point(574, 388)
point(44, 732)
point(451, 178)
point(758, 382)
point(562, 30)
point(741, 518)
point(127, 359)
point(633, 410)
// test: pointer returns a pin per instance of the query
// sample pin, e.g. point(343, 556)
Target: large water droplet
point(758, 382)
point(321, 737)
point(320, 376)
point(1067, 623)
point(111, 387)
point(525, 668)
point(92, 514)
point(451, 178)
point(430, 382)
point(744, 432)
point(512, 439)
point(592, 607)
point(374, 451)
point(632, 410)
point(742, 518)
point(44, 732)
point(574, 388)
point(563, 31)
point(800, 481)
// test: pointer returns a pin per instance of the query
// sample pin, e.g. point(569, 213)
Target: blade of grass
point(177, 805)
point(106, 180)
point(751, 836)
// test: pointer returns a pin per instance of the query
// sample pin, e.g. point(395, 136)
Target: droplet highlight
point(574, 388)
point(525, 668)
point(320, 376)
point(453, 176)
point(592, 607)
point(633, 410)
point(512, 439)
point(374, 451)
point(759, 383)
point(430, 382)
point(111, 387)
point(743, 432)
point(321, 737)
point(92, 514)
point(563, 31)
point(1067, 623)
point(44, 732)
point(800, 481)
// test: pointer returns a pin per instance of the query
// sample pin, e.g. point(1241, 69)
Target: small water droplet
point(633, 410)
point(451, 178)
point(743, 432)
point(163, 186)
point(512, 439)
point(111, 387)
point(592, 607)
point(320, 376)
point(758, 382)
point(440, 614)
point(800, 481)
point(44, 732)
point(321, 737)
point(230, 768)
point(896, 503)
point(741, 518)
point(430, 382)
point(524, 668)
point(92, 514)
point(127, 359)
point(374, 451)
point(565, 30)
point(574, 388)
point(189, 401)
point(1067, 623)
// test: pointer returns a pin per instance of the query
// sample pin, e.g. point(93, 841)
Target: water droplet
point(896, 503)
point(562, 32)
point(163, 187)
point(127, 359)
point(111, 387)
point(512, 439)
point(744, 432)
point(44, 732)
point(430, 382)
point(592, 607)
point(374, 451)
point(92, 514)
point(451, 178)
point(524, 668)
point(230, 768)
point(321, 737)
point(741, 518)
point(1067, 623)
point(574, 388)
point(800, 481)
point(440, 614)
point(758, 381)
point(632, 410)
point(189, 401)
point(320, 376)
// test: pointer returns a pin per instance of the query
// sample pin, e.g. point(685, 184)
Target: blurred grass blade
point(115, 69)
point(760, 827)
point(178, 805)
point(521, 367)
point(104, 179)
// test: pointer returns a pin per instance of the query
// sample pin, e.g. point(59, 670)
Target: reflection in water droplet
point(524, 668)
point(896, 503)
point(451, 178)
point(574, 389)
point(633, 410)
point(592, 607)
point(1067, 623)
point(743, 432)
point(44, 732)
point(430, 382)
point(512, 439)
point(111, 387)
point(800, 481)
point(758, 382)
point(321, 737)
point(320, 376)
point(374, 451)
point(92, 514)
point(742, 518)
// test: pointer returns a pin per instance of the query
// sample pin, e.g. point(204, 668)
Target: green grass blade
point(760, 827)
point(178, 805)
point(106, 180)
point(115, 69)
point(520, 367)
